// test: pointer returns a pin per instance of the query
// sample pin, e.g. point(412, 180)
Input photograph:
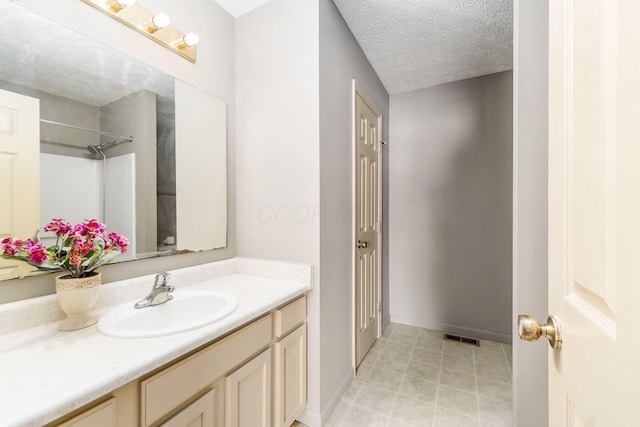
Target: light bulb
point(190, 39)
point(160, 20)
point(117, 5)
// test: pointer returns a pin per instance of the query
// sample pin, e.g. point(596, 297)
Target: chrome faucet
point(159, 293)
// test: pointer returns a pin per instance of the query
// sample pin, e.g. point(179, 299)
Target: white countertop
point(45, 373)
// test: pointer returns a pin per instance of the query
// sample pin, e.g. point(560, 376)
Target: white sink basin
point(186, 311)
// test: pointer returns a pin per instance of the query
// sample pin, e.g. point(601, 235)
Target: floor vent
point(465, 340)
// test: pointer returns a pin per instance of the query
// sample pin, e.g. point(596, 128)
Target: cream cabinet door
point(199, 414)
point(248, 393)
point(103, 415)
point(290, 395)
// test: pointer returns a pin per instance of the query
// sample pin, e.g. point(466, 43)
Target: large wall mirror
point(118, 141)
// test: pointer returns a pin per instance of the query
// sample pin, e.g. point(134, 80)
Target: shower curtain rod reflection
point(51, 122)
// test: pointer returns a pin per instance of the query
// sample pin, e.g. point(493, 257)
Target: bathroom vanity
point(248, 369)
point(228, 382)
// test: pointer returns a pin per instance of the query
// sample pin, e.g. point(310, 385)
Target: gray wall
point(530, 400)
point(450, 205)
point(56, 139)
point(341, 60)
point(59, 139)
point(295, 65)
point(135, 115)
point(166, 163)
point(214, 73)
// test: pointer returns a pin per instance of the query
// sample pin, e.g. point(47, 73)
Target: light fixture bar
point(138, 18)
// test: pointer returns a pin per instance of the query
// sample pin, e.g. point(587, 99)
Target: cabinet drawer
point(168, 389)
point(290, 316)
point(103, 415)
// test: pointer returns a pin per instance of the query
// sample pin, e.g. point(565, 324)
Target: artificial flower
point(79, 248)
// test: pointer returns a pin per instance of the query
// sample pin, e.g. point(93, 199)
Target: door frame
point(358, 90)
point(530, 247)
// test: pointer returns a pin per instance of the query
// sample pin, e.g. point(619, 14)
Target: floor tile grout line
point(350, 405)
point(339, 422)
point(477, 388)
point(404, 375)
point(494, 399)
point(435, 403)
point(375, 387)
point(395, 399)
point(396, 393)
point(369, 409)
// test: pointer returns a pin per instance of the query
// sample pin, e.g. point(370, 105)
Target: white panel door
point(594, 211)
point(368, 233)
point(19, 174)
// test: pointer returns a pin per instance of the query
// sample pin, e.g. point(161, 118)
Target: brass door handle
point(362, 244)
point(529, 329)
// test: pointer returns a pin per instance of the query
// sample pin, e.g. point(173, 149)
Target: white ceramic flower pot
point(77, 297)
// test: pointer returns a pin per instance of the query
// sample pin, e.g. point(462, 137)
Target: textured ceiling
point(40, 54)
point(414, 44)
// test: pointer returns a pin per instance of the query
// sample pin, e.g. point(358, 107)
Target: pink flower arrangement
point(79, 248)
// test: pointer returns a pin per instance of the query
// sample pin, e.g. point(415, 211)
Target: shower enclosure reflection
point(97, 150)
point(109, 170)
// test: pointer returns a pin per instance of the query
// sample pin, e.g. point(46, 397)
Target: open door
point(19, 174)
point(594, 211)
point(367, 221)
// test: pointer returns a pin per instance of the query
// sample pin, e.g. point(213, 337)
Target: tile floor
point(412, 377)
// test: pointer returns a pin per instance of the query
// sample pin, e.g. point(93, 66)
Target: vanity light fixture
point(150, 24)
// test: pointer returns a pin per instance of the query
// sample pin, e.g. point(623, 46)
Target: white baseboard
point(452, 329)
point(335, 399)
point(313, 419)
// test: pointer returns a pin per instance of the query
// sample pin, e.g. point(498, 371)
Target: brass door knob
point(529, 329)
point(362, 244)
